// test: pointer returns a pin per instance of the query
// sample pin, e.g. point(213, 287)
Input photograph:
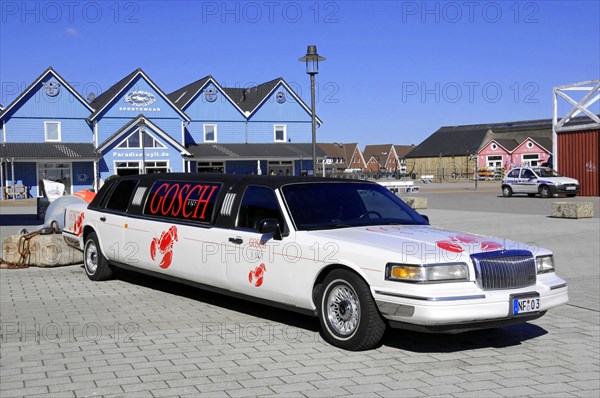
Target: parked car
point(538, 180)
point(349, 252)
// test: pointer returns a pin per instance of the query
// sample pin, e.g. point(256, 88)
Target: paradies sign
point(183, 200)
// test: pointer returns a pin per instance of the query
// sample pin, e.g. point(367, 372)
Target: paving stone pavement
point(62, 335)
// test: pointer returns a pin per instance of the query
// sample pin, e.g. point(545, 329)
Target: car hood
point(557, 180)
point(418, 244)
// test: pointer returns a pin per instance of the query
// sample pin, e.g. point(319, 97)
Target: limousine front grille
point(507, 269)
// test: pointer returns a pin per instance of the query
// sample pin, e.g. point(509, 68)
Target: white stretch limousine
point(349, 252)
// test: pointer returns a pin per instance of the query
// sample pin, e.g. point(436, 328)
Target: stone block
point(416, 202)
point(45, 251)
point(572, 209)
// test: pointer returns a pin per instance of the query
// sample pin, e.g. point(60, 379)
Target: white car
point(349, 252)
point(538, 180)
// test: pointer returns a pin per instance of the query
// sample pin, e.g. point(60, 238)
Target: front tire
point(347, 312)
point(507, 191)
point(545, 192)
point(95, 264)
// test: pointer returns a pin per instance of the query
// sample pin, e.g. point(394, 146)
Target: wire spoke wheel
point(95, 264)
point(347, 312)
point(343, 310)
point(91, 257)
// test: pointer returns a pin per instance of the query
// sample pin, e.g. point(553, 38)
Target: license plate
point(525, 305)
point(570, 188)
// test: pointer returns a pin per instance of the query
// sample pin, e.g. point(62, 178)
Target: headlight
point(544, 264)
point(428, 273)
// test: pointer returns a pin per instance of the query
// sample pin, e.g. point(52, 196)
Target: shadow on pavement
point(267, 312)
point(20, 219)
point(490, 338)
point(401, 339)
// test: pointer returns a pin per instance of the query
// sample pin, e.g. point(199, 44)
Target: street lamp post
point(142, 138)
point(312, 68)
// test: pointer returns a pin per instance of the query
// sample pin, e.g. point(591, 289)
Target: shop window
point(531, 159)
point(127, 168)
point(134, 168)
point(280, 133)
point(210, 133)
point(494, 161)
point(52, 131)
point(57, 172)
point(157, 167)
point(211, 167)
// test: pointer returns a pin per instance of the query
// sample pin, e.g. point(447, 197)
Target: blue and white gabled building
point(51, 132)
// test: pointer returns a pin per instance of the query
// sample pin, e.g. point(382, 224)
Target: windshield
point(546, 172)
point(327, 205)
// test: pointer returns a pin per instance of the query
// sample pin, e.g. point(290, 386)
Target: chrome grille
point(506, 269)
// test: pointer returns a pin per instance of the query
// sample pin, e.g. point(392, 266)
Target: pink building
point(506, 153)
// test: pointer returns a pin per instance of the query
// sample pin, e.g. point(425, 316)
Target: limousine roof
point(231, 179)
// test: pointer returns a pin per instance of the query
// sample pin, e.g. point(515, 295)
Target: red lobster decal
point(453, 243)
point(256, 276)
point(77, 227)
point(164, 245)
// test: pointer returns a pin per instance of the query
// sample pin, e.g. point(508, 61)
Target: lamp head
point(312, 59)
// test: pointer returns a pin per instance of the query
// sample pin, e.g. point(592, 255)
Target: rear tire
point(507, 191)
point(347, 312)
point(545, 192)
point(95, 264)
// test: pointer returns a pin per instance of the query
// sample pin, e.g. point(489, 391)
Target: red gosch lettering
point(154, 209)
point(204, 201)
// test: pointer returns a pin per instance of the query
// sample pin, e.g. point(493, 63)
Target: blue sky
point(395, 71)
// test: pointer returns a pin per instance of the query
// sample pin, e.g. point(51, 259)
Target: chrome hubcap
point(91, 257)
point(343, 310)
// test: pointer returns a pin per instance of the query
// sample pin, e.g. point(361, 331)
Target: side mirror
point(425, 217)
point(270, 226)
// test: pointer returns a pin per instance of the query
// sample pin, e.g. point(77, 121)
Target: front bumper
point(564, 189)
point(475, 310)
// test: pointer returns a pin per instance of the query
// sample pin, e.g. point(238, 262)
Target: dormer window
point(134, 141)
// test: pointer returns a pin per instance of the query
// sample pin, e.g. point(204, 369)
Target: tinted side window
point(258, 204)
point(121, 195)
point(182, 200)
point(527, 174)
point(514, 173)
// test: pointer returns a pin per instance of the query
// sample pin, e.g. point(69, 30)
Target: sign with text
point(183, 200)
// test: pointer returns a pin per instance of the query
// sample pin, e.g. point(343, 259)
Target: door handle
point(237, 241)
point(102, 218)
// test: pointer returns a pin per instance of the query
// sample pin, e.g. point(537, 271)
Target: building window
point(282, 168)
point(52, 131)
point(494, 161)
point(157, 167)
point(494, 147)
point(280, 133)
point(529, 144)
point(134, 141)
point(210, 133)
point(58, 172)
point(135, 168)
point(211, 167)
point(127, 168)
point(531, 159)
